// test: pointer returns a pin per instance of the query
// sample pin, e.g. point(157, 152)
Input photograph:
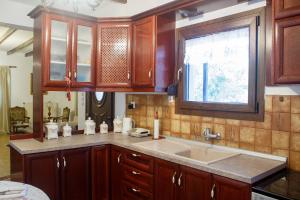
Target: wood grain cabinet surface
point(61, 175)
point(116, 161)
point(286, 8)
point(286, 50)
point(114, 55)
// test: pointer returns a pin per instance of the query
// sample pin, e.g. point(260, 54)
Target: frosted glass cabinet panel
point(58, 50)
point(84, 53)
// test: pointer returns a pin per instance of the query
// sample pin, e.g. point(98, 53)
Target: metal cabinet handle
point(65, 163)
point(70, 74)
point(179, 180)
point(135, 173)
point(135, 155)
point(57, 163)
point(119, 158)
point(75, 74)
point(173, 178)
point(150, 73)
point(178, 73)
point(212, 192)
point(128, 75)
point(135, 190)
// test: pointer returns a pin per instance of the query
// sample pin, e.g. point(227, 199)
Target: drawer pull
point(135, 155)
point(173, 178)
point(212, 192)
point(135, 173)
point(135, 190)
point(179, 180)
point(119, 158)
point(57, 163)
point(65, 163)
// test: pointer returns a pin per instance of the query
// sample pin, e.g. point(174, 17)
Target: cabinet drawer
point(138, 177)
point(132, 192)
point(139, 161)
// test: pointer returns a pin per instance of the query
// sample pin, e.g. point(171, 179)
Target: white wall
point(15, 13)
point(20, 77)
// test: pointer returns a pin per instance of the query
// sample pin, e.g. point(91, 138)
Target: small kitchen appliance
point(128, 124)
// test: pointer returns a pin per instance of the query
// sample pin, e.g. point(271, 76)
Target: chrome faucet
point(208, 134)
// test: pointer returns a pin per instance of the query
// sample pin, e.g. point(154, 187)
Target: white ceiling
point(17, 38)
point(108, 8)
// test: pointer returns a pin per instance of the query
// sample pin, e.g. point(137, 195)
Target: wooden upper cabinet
point(75, 174)
point(286, 8)
point(57, 50)
point(194, 184)
point(225, 188)
point(144, 50)
point(84, 53)
point(154, 52)
point(42, 171)
point(65, 48)
point(114, 55)
point(286, 51)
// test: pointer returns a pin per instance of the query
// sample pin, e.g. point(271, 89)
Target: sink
point(203, 154)
point(206, 155)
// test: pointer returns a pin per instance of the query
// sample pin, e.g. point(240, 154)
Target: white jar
point(67, 130)
point(103, 128)
point(51, 130)
point(90, 126)
point(118, 125)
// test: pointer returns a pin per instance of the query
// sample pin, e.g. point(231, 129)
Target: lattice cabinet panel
point(114, 56)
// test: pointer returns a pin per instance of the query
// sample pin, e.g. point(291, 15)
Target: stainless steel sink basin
point(202, 154)
point(206, 155)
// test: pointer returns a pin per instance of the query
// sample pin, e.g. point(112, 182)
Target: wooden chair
point(18, 119)
point(65, 116)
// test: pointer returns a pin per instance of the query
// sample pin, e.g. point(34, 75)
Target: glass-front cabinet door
point(58, 48)
point(84, 48)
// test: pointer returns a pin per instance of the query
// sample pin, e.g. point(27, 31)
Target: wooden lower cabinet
point(42, 171)
point(120, 174)
point(194, 184)
point(166, 174)
point(60, 174)
point(100, 172)
point(116, 161)
point(75, 174)
point(225, 188)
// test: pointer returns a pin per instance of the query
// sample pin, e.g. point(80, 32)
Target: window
point(222, 68)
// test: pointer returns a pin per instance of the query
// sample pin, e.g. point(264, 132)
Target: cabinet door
point(166, 174)
point(42, 171)
point(286, 51)
point(114, 55)
point(100, 172)
point(225, 188)
point(194, 184)
point(58, 45)
point(286, 8)
point(75, 173)
point(83, 53)
point(116, 173)
point(144, 52)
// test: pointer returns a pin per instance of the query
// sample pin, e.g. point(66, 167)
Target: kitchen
point(213, 82)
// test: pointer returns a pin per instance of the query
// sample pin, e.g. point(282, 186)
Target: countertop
point(245, 167)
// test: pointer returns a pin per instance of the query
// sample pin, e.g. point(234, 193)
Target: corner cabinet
point(153, 52)
point(64, 51)
point(114, 55)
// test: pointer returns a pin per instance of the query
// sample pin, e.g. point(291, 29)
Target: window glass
point(217, 67)
point(99, 96)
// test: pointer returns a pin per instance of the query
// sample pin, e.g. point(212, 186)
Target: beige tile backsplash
point(279, 134)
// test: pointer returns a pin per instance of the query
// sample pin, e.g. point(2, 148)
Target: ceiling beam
point(6, 35)
point(28, 54)
point(20, 47)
